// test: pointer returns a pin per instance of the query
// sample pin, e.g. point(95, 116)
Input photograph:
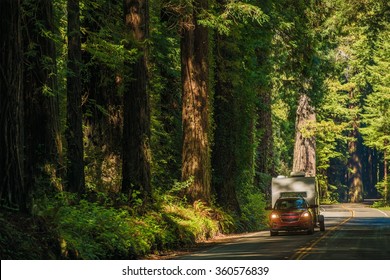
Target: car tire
point(311, 228)
point(322, 226)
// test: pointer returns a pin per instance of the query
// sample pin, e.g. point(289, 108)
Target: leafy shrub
point(381, 204)
point(98, 230)
point(253, 212)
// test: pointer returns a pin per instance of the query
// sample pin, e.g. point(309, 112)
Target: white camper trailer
point(300, 188)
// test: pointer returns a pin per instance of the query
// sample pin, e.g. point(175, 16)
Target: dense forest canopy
point(169, 118)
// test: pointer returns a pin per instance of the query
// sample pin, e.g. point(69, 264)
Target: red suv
point(292, 214)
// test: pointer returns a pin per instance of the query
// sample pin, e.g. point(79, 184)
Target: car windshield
point(283, 204)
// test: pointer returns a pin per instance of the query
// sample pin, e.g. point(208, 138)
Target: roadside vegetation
point(64, 226)
point(382, 205)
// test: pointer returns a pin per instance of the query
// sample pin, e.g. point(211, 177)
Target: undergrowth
point(99, 229)
point(381, 204)
point(103, 226)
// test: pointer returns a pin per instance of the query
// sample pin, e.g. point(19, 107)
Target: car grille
point(289, 217)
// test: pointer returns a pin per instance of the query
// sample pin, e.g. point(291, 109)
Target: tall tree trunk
point(305, 143)
point(42, 128)
point(355, 170)
point(224, 153)
point(103, 111)
point(194, 48)
point(136, 105)
point(74, 132)
point(13, 192)
point(370, 169)
point(264, 156)
point(264, 149)
point(385, 179)
point(355, 181)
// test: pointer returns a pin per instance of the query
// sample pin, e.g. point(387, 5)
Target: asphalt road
point(353, 232)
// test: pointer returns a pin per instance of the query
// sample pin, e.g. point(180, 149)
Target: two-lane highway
point(365, 234)
point(353, 231)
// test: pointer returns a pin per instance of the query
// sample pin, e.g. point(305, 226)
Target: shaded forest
point(134, 127)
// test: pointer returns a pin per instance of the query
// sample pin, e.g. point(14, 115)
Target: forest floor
point(25, 237)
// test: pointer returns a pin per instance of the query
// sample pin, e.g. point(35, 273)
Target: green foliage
point(101, 230)
point(328, 137)
point(165, 97)
point(383, 189)
point(376, 114)
point(232, 12)
point(335, 51)
point(376, 117)
point(382, 204)
point(253, 206)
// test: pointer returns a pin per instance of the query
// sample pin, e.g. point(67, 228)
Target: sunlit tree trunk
point(74, 132)
point(354, 173)
point(136, 105)
point(355, 182)
point(195, 116)
point(305, 142)
point(13, 192)
point(385, 175)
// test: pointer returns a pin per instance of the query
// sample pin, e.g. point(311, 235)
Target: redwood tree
point(224, 156)
point(194, 48)
point(305, 144)
point(42, 132)
point(13, 192)
point(136, 104)
point(102, 109)
point(74, 132)
point(355, 181)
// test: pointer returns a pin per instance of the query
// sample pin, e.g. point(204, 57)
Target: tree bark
point(305, 142)
point(224, 153)
point(385, 177)
point(355, 171)
point(74, 132)
point(136, 105)
point(42, 128)
point(194, 48)
point(103, 111)
point(370, 169)
point(355, 181)
point(264, 158)
point(13, 191)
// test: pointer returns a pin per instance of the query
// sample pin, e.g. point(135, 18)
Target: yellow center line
point(303, 252)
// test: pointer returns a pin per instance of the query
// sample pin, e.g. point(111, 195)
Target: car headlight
point(305, 215)
point(274, 216)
